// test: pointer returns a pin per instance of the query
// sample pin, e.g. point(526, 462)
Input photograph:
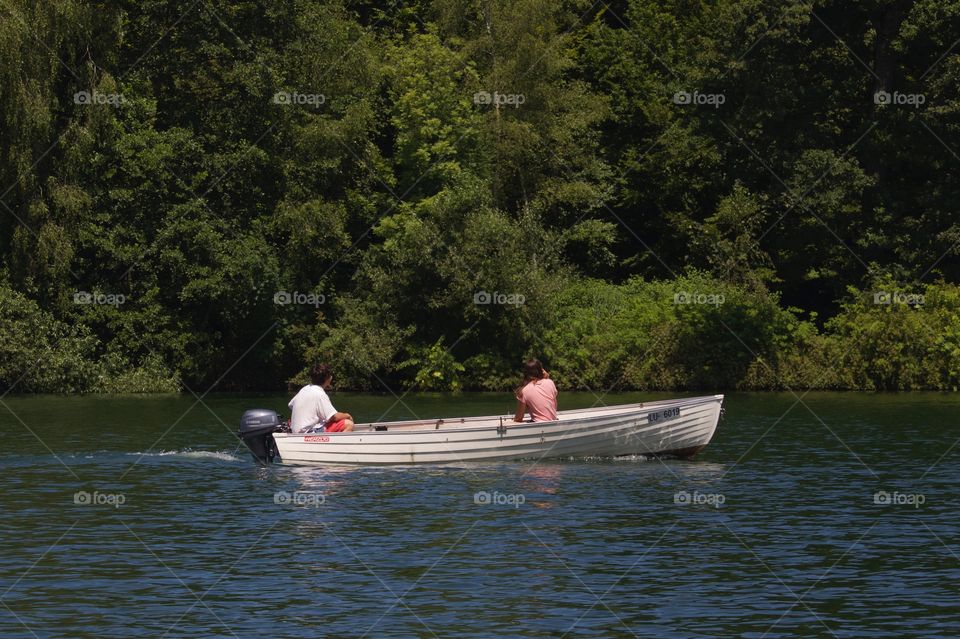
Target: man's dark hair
point(320, 373)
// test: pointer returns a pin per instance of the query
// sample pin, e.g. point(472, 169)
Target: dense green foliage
point(646, 194)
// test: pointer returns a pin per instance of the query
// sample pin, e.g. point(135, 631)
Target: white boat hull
point(675, 427)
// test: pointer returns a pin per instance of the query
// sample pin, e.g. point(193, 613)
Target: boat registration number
point(663, 415)
point(317, 438)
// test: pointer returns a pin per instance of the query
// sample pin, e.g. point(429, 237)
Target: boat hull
point(665, 428)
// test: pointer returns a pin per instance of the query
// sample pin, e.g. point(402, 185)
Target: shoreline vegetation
point(645, 195)
point(655, 336)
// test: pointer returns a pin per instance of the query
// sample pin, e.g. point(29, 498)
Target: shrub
point(691, 332)
point(41, 354)
point(899, 340)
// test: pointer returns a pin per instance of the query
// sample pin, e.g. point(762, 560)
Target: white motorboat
point(677, 428)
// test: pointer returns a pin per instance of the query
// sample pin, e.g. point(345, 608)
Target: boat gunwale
point(446, 424)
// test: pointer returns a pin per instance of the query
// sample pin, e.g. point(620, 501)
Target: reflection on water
point(774, 530)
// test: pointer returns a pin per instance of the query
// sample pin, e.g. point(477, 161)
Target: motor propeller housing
point(257, 426)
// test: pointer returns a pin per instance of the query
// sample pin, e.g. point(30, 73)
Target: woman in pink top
point(537, 394)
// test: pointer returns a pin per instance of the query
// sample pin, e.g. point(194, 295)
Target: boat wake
point(193, 454)
point(610, 458)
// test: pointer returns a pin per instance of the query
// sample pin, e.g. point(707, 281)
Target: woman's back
point(540, 398)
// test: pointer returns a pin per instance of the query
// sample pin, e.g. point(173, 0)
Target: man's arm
point(325, 407)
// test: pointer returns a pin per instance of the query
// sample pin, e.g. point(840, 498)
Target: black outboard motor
point(256, 430)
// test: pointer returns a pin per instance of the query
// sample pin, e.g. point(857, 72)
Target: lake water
point(835, 516)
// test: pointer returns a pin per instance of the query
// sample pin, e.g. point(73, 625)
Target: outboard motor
point(256, 430)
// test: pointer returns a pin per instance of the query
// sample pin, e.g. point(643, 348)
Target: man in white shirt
point(311, 410)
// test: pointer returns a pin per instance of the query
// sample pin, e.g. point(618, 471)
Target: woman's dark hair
point(532, 369)
point(320, 373)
